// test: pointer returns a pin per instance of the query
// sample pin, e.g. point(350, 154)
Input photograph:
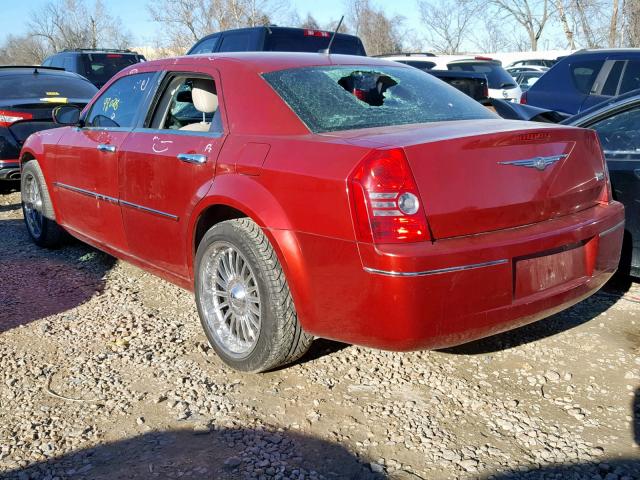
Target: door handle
point(106, 148)
point(196, 158)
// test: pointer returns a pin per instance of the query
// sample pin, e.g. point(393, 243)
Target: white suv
point(501, 84)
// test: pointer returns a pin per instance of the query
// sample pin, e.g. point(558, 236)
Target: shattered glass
point(351, 97)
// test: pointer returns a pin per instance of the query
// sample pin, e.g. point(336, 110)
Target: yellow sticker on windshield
point(55, 100)
point(52, 93)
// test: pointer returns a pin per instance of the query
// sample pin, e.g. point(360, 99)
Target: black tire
point(281, 339)
point(50, 234)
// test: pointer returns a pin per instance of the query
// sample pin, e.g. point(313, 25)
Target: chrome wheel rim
point(230, 299)
point(32, 204)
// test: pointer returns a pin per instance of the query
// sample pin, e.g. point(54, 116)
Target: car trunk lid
point(485, 177)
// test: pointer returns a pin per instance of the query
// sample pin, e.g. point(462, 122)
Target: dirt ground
point(106, 374)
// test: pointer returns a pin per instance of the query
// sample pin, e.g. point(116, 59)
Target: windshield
point(350, 97)
point(100, 67)
point(497, 77)
point(299, 41)
point(44, 85)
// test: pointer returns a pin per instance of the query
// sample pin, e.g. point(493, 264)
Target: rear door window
point(584, 74)
point(120, 104)
point(630, 77)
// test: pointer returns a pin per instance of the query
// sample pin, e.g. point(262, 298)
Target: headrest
point(204, 96)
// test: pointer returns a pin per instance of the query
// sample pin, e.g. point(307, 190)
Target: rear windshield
point(44, 85)
point(497, 77)
point(299, 41)
point(350, 97)
point(100, 67)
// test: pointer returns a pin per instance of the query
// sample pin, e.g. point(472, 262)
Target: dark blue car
point(586, 78)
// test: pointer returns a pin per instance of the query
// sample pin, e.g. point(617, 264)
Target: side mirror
point(66, 115)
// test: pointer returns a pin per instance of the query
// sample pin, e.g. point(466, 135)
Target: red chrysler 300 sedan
point(304, 195)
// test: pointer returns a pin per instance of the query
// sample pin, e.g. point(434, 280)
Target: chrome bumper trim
point(437, 271)
point(612, 229)
point(115, 201)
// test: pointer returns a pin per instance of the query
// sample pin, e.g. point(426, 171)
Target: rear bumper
point(9, 170)
point(453, 291)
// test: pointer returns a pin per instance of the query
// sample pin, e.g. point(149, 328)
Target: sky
point(135, 17)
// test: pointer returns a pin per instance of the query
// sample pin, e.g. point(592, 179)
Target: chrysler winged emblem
point(539, 163)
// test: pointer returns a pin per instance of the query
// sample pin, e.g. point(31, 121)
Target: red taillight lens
point(606, 196)
point(523, 98)
point(8, 117)
point(385, 200)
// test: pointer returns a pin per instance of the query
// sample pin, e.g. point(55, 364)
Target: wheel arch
point(260, 206)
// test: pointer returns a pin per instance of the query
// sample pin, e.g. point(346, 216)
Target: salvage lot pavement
point(105, 373)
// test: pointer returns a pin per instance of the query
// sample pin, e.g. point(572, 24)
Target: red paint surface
point(297, 191)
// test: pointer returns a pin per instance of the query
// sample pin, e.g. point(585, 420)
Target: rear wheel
point(37, 208)
point(244, 301)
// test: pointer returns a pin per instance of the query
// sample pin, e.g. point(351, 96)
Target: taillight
point(8, 117)
point(606, 196)
point(523, 98)
point(385, 200)
point(486, 90)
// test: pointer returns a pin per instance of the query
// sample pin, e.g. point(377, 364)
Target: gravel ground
point(105, 374)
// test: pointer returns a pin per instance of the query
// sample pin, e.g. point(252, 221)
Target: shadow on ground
point(219, 454)
point(581, 313)
point(635, 413)
point(36, 282)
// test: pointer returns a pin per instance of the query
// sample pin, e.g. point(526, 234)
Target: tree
point(66, 24)
point(183, 22)
point(631, 16)
point(532, 15)
point(379, 33)
point(23, 50)
point(447, 23)
point(310, 23)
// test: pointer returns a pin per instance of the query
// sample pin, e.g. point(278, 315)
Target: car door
point(168, 166)
point(86, 173)
point(619, 135)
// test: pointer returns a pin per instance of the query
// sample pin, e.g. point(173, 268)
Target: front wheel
point(37, 209)
point(244, 301)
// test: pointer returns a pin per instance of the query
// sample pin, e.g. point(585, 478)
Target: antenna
point(327, 50)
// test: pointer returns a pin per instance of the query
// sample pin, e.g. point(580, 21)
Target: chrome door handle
point(106, 148)
point(196, 158)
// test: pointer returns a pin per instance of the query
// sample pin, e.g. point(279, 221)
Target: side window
point(631, 77)
point(235, 42)
point(585, 73)
point(620, 133)
point(611, 85)
point(118, 106)
point(69, 64)
point(188, 104)
point(206, 46)
point(56, 61)
point(47, 62)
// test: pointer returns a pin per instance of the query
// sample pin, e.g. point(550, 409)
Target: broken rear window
point(344, 97)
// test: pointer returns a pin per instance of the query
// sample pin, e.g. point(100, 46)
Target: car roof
point(262, 62)
point(604, 51)
point(37, 70)
point(276, 28)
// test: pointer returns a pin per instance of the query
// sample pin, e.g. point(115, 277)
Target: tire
point(37, 209)
point(256, 293)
